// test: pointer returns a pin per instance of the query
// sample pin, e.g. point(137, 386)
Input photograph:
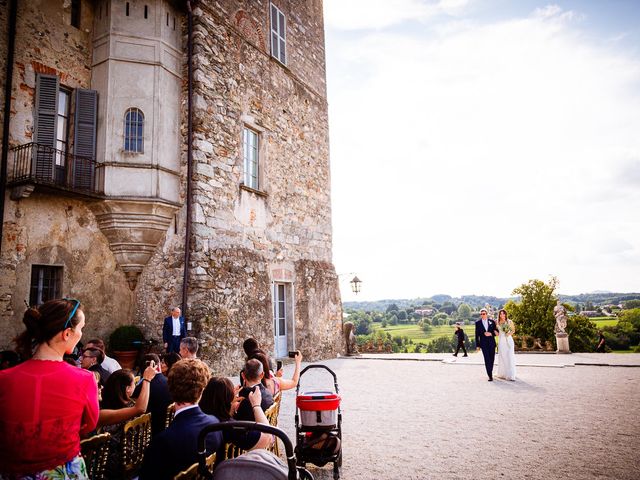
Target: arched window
point(134, 130)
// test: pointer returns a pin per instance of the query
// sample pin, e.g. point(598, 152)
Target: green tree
point(448, 308)
point(384, 323)
point(392, 308)
point(583, 334)
point(402, 316)
point(426, 326)
point(393, 320)
point(533, 314)
point(630, 304)
point(363, 327)
point(464, 311)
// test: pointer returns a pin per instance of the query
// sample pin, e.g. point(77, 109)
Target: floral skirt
point(74, 469)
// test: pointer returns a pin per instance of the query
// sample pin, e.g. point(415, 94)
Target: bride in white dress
point(506, 352)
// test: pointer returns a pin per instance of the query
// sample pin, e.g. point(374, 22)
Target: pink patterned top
point(44, 408)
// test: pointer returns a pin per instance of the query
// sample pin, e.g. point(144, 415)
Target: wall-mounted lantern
point(355, 285)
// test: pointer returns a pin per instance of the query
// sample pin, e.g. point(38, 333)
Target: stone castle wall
point(242, 240)
point(46, 229)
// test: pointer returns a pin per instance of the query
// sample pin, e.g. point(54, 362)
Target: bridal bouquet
point(506, 328)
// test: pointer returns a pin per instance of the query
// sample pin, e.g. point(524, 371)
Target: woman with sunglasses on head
point(46, 404)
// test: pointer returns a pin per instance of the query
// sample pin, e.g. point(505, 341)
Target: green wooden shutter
point(45, 125)
point(84, 138)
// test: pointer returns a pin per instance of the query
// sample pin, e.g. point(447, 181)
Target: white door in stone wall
point(280, 319)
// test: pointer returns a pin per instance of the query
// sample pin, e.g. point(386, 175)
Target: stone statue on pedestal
point(350, 338)
point(562, 338)
point(561, 317)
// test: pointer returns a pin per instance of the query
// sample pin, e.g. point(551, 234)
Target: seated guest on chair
point(252, 374)
point(159, 396)
point(173, 330)
point(167, 361)
point(91, 360)
point(175, 449)
point(219, 398)
point(189, 347)
point(117, 407)
point(109, 364)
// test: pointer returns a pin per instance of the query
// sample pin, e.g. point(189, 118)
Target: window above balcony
point(54, 161)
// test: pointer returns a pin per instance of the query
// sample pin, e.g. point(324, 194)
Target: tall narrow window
point(46, 284)
point(250, 153)
point(278, 35)
point(126, 9)
point(75, 13)
point(62, 128)
point(146, 11)
point(134, 131)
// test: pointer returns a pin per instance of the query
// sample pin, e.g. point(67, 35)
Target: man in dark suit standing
point(175, 449)
point(485, 339)
point(173, 330)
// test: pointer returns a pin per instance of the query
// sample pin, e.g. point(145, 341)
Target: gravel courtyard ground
point(437, 417)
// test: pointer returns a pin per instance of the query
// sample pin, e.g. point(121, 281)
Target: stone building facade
point(96, 196)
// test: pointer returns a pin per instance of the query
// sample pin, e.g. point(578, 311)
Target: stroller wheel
point(304, 474)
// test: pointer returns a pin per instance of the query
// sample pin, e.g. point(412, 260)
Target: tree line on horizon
point(530, 307)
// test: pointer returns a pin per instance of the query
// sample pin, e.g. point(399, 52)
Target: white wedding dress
point(506, 356)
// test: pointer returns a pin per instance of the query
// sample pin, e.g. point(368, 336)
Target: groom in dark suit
point(173, 330)
point(486, 331)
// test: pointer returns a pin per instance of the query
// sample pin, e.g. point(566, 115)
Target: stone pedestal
point(562, 341)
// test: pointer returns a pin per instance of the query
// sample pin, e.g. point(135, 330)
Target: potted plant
point(125, 342)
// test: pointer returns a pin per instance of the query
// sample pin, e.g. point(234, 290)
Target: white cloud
point(483, 155)
point(377, 14)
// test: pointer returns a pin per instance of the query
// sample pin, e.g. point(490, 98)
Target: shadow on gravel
point(518, 385)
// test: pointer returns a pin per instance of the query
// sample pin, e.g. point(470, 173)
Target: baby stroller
point(319, 426)
point(255, 464)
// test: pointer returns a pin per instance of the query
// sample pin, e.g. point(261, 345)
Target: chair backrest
point(192, 472)
point(171, 412)
point(231, 451)
point(272, 415)
point(95, 451)
point(136, 438)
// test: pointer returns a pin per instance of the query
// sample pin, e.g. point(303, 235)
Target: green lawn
point(604, 321)
point(415, 333)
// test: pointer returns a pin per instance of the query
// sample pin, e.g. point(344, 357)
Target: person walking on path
point(173, 330)
point(485, 340)
point(601, 342)
point(460, 334)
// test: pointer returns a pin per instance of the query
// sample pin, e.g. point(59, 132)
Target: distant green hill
point(477, 301)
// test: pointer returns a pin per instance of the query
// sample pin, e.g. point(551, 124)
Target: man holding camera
point(159, 396)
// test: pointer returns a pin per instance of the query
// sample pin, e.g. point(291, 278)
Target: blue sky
point(478, 144)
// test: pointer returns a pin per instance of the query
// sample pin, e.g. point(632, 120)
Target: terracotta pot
point(126, 359)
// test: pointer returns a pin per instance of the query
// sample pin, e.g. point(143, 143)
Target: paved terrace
point(433, 416)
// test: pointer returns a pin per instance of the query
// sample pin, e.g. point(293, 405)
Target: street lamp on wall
point(355, 285)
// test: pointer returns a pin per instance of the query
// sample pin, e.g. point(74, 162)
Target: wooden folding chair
point(95, 451)
point(192, 473)
point(272, 415)
point(135, 439)
point(171, 412)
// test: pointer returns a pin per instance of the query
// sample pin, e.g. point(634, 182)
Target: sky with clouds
point(478, 144)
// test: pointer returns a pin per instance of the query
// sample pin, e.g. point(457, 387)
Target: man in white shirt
point(173, 330)
point(109, 364)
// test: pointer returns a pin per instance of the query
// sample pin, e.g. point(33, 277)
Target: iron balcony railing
point(44, 165)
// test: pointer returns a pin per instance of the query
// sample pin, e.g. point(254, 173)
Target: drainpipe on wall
point(11, 36)
point(187, 232)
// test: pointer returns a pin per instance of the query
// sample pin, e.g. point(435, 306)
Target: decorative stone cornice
point(134, 229)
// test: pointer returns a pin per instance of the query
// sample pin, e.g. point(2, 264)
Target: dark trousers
point(489, 354)
point(460, 344)
point(174, 344)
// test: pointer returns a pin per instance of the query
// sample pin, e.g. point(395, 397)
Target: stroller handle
point(243, 426)
point(309, 367)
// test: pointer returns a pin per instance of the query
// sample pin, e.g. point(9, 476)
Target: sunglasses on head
point(73, 312)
